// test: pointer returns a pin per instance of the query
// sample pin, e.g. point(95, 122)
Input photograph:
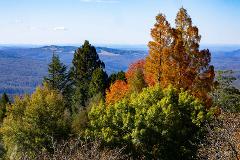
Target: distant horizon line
point(101, 44)
point(217, 47)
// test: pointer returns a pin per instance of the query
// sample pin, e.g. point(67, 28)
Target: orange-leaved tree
point(116, 92)
point(175, 58)
point(136, 77)
point(162, 39)
point(133, 67)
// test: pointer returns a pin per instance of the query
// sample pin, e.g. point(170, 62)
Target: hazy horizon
point(214, 47)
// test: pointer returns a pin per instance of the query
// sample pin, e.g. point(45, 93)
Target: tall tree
point(197, 74)
point(85, 61)
point(57, 74)
point(174, 57)
point(162, 38)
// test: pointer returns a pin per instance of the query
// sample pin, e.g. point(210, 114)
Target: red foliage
point(116, 92)
point(138, 65)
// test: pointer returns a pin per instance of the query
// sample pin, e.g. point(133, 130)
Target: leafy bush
point(158, 123)
point(33, 122)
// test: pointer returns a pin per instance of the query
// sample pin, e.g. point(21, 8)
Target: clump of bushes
point(156, 123)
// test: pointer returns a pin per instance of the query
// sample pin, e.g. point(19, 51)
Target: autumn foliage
point(136, 76)
point(161, 34)
point(138, 65)
point(175, 58)
point(116, 91)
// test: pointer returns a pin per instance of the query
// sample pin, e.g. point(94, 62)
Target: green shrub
point(34, 123)
point(158, 123)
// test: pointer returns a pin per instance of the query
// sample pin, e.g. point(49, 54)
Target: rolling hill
point(22, 68)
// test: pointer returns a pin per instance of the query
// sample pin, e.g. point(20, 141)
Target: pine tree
point(3, 106)
point(5, 100)
point(85, 61)
point(57, 75)
point(98, 82)
point(116, 76)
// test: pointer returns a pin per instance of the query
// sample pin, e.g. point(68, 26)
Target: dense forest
point(171, 105)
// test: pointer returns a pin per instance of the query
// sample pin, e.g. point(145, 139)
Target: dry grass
point(80, 150)
point(222, 141)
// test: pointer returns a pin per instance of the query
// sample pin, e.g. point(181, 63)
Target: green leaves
point(33, 122)
point(87, 75)
point(155, 117)
point(57, 75)
point(4, 102)
point(98, 82)
point(226, 95)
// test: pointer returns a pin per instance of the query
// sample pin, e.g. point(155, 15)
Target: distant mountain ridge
point(22, 68)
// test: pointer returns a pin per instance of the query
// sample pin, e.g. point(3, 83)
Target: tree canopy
point(57, 74)
point(159, 123)
point(85, 62)
point(175, 58)
point(33, 123)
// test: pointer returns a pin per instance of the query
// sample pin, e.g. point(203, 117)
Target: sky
point(112, 21)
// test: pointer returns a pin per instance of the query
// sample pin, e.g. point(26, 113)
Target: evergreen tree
point(117, 76)
point(5, 100)
point(98, 83)
point(85, 61)
point(3, 106)
point(57, 75)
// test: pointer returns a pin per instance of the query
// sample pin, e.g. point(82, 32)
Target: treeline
point(168, 106)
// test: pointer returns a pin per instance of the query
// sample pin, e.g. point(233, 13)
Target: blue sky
point(111, 21)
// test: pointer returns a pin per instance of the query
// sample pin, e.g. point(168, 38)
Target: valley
point(23, 68)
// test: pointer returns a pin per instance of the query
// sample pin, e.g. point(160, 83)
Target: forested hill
point(22, 68)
